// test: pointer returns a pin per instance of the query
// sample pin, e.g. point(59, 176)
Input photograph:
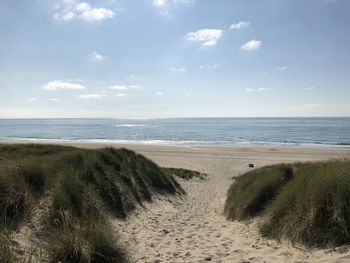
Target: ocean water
point(287, 132)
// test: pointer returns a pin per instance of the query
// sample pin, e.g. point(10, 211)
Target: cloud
point(135, 87)
point(311, 105)
point(254, 90)
point(97, 56)
point(32, 99)
point(118, 87)
point(251, 45)
point(159, 3)
point(177, 70)
point(240, 25)
point(91, 96)
point(164, 4)
point(60, 84)
point(54, 99)
point(121, 95)
point(126, 87)
point(159, 93)
point(282, 68)
point(207, 37)
point(69, 10)
point(310, 88)
point(213, 66)
point(305, 107)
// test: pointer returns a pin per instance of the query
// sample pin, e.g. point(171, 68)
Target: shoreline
point(136, 144)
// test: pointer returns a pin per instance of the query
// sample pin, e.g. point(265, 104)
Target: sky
point(174, 58)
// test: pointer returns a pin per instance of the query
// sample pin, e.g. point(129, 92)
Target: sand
point(193, 228)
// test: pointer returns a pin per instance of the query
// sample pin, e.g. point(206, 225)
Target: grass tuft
point(252, 192)
point(314, 209)
point(6, 253)
point(185, 173)
point(309, 206)
point(86, 187)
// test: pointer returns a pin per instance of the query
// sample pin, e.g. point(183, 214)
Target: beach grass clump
point(305, 203)
point(14, 199)
point(185, 173)
point(6, 253)
point(315, 207)
point(83, 190)
point(73, 240)
point(252, 192)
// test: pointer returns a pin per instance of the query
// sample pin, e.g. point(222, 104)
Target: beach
point(193, 228)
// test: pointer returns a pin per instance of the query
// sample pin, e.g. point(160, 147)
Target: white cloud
point(91, 96)
point(159, 3)
point(251, 45)
point(97, 14)
point(254, 90)
point(60, 84)
point(159, 93)
point(65, 16)
point(282, 68)
point(121, 95)
point(126, 87)
point(240, 25)
point(32, 99)
point(54, 99)
point(311, 88)
point(97, 56)
point(163, 4)
point(69, 10)
point(177, 70)
point(118, 87)
point(135, 87)
point(182, 1)
point(208, 37)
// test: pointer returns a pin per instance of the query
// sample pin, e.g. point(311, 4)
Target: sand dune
point(193, 229)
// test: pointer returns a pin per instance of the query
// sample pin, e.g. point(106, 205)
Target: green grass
point(6, 254)
point(252, 192)
point(85, 188)
point(313, 208)
point(185, 173)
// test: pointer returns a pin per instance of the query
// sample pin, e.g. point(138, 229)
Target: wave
point(131, 125)
point(187, 143)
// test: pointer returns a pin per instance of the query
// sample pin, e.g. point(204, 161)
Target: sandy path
point(194, 230)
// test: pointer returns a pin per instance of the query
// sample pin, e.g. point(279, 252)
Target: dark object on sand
point(251, 165)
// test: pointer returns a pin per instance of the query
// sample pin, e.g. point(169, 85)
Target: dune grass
point(312, 208)
point(6, 254)
point(85, 188)
point(252, 192)
point(185, 173)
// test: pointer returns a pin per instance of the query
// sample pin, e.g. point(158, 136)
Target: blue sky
point(174, 58)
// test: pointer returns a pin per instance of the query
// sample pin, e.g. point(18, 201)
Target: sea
point(240, 132)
